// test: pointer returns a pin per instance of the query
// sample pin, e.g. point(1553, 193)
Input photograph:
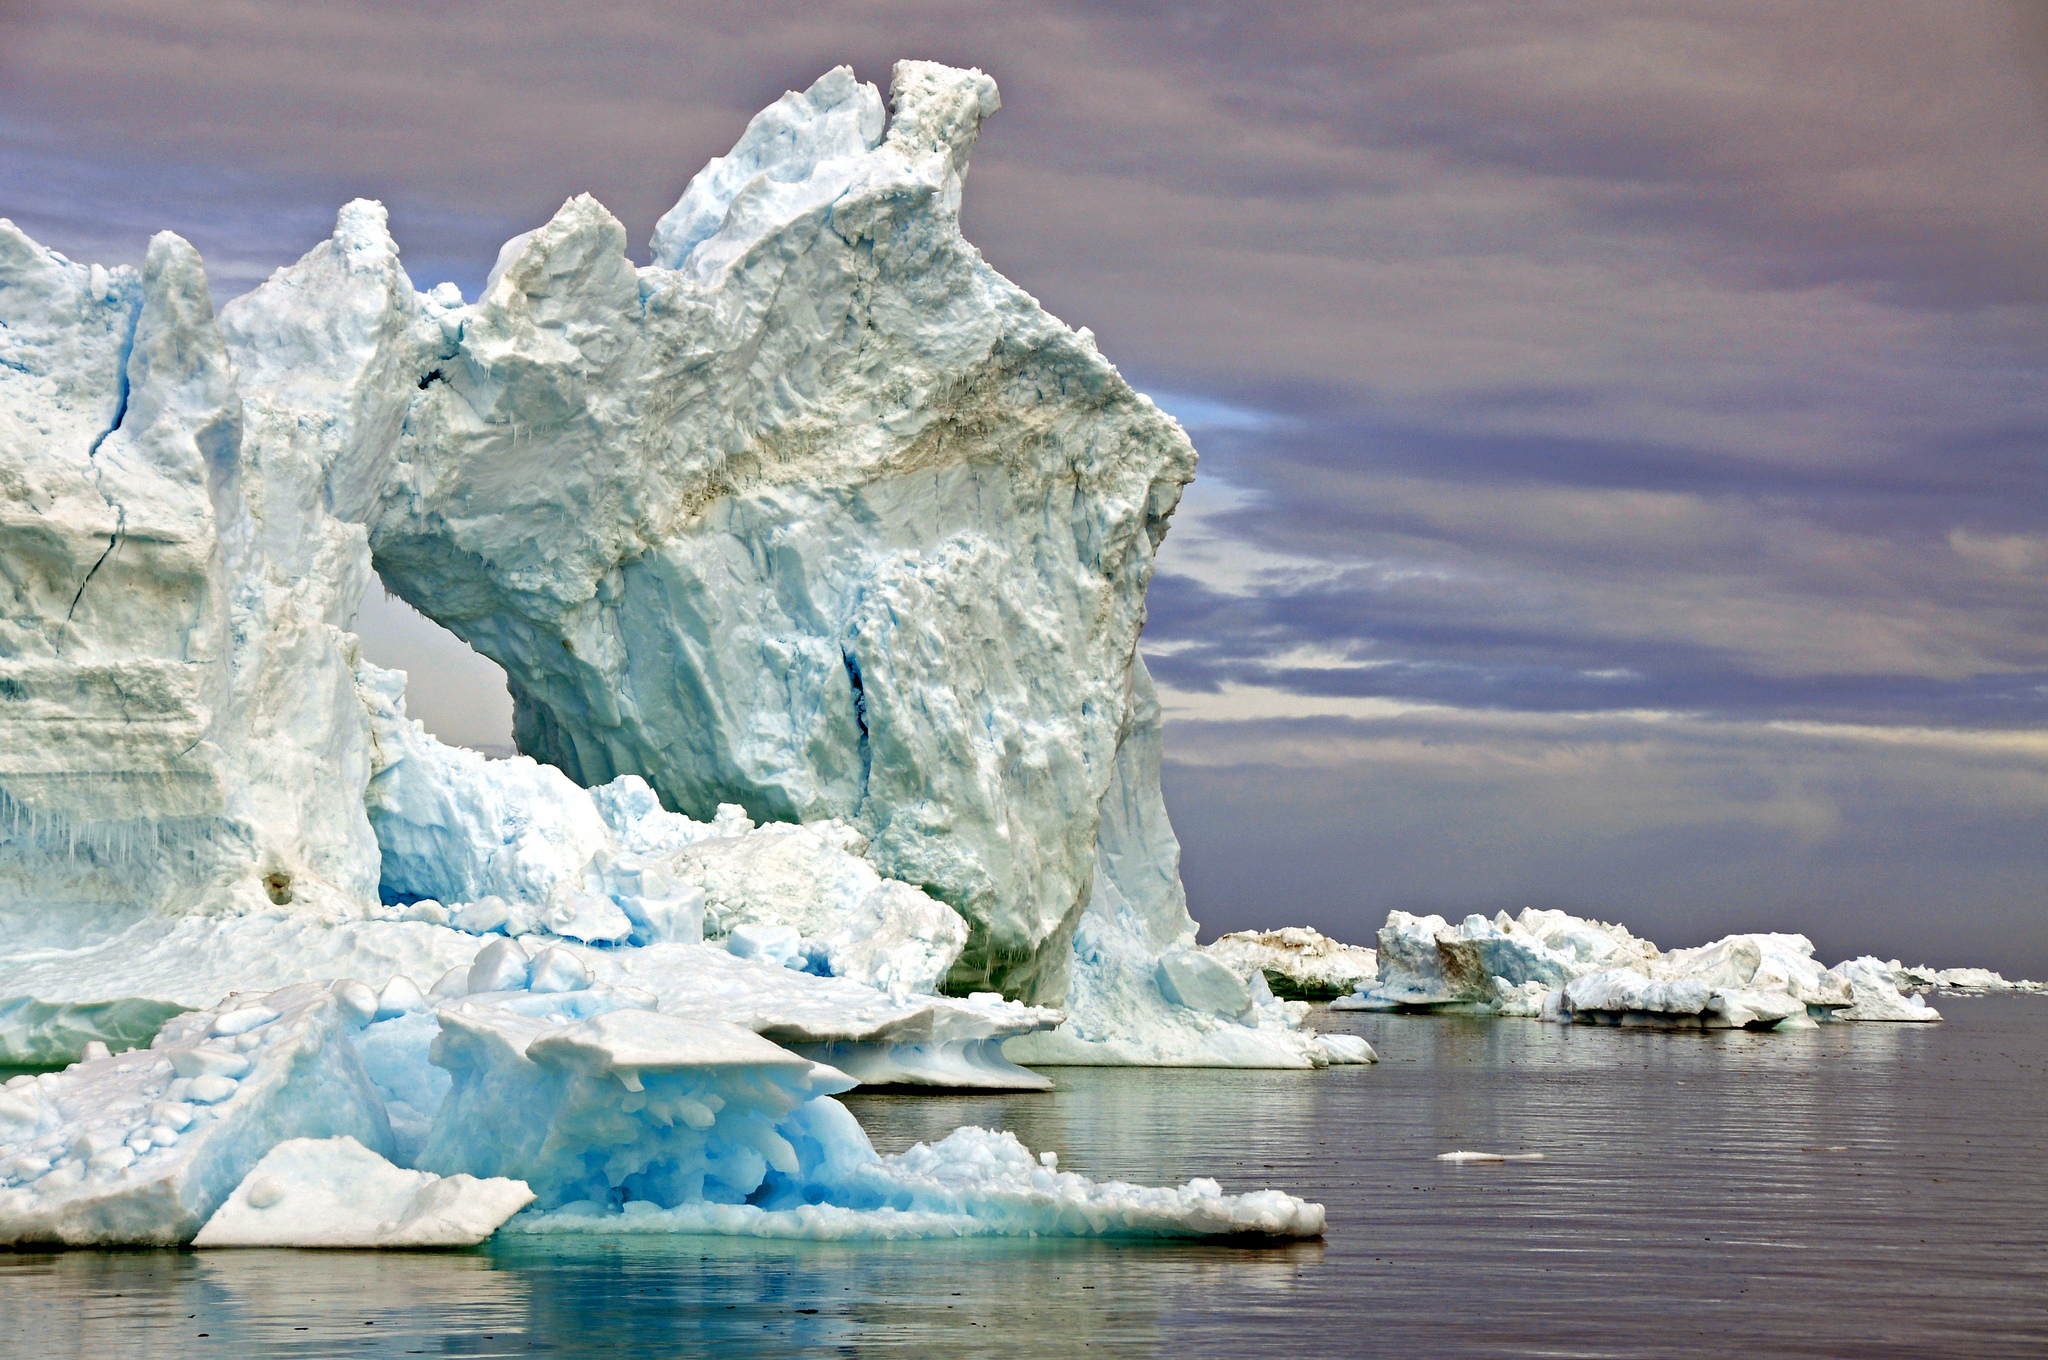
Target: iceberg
point(817, 514)
point(815, 553)
point(336, 1193)
point(1298, 962)
point(264, 1123)
point(1875, 988)
point(1554, 966)
point(814, 530)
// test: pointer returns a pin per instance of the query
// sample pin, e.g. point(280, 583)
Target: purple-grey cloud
point(1582, 356)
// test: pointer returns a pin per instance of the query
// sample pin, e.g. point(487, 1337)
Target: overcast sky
point(1624, 483)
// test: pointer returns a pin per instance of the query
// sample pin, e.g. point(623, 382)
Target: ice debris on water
point(142, 1147)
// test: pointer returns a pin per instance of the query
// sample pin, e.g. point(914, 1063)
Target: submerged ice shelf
point(260, 1123)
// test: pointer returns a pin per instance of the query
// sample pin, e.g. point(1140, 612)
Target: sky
point(1623, 476)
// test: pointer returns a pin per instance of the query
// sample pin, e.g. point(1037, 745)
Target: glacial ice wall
point(178, 723)
point(818, 514)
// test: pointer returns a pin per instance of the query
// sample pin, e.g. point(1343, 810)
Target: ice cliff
point(814, 550)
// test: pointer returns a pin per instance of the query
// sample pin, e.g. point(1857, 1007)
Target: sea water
point(1836, 1192)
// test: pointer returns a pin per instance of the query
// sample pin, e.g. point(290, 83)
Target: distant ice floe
point(1554, 966)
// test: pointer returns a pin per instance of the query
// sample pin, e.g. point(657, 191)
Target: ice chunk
point(500, 966)
point(625, 1105)
point(776, 944)
point(587, 917)
point(1878, 996)
point(455, 826)
point(874, 930)
point(359, 1002)
point(558, 970)
point(1192, 979)
point(130, 1150)
point(481, 917)
point(334, 1192)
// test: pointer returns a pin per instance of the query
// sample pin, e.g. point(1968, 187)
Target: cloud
point(1549, 363)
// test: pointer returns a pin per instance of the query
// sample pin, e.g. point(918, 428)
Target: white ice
point(143, 1147)
point(816, 528)
point(334, 1192)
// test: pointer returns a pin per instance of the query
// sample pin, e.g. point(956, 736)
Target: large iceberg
point(817, 514)
point(815, 552)
point(1556, 966)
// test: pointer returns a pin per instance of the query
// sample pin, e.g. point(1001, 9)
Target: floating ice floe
point(1298, 962)
point(266, 1123)
point(883, 1037)
point(1966, 981)
point(1558, 967)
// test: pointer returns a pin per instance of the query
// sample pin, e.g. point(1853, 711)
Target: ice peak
point(939, 111)
point(837, 118)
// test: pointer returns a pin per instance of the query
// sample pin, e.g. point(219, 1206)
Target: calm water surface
point(1834, 1193)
